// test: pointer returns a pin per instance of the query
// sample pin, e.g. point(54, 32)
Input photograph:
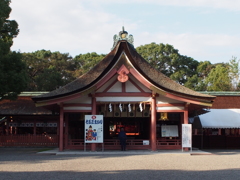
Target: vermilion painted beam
point(122, 94)
point(111, 85)
point(62, 99)
point(106, 78)
point(170, 105)
point(170, 110)
point(77, 110)
point(182, 99)
point(77, 105)
point(137, 86)
point(140, 78)
point(148, 84)
point(76, 95)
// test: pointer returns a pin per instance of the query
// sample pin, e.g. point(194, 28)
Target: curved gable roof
point(155, 77)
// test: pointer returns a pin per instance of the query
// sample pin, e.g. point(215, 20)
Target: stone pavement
point(118, 152)
point(40, 163)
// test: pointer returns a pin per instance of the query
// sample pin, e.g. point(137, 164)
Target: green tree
point(167, 60)
point(13, 78)
point(49, 79)
point(84, 62)
point(199, 80)
point(234, 73)
point(48, 70)
point(219, 78)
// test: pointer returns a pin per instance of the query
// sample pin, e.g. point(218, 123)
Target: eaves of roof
point(141, 65)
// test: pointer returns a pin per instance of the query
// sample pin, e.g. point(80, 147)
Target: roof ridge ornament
point(123, 35)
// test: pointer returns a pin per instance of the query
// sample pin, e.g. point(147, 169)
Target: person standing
point(123, 138)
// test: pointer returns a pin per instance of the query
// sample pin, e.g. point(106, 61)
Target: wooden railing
point(169, 144)
point(50, 140)
point(132, 144)
point(109, 144)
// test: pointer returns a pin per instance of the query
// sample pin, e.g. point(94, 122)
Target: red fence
point(132, 144)
point(169, 144)
point(109, 144)
point(50, 140)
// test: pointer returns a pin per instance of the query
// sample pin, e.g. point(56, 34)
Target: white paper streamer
point(140, 106)
point(129, 107)
point(110, 107)
point(120, 107)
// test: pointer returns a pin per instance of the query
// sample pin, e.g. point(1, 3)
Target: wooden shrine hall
point(129, 93)
point(149, 101)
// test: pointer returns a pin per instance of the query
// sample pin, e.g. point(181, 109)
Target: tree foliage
point(48, 70)
point(167, 60)
point(13, 78)
point(234, 73)
point(199, 76)
point(49, 79)
point(219, 78)
point(203, 70)
point(84, 62)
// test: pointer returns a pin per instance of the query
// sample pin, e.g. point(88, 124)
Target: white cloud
point(222, 4)
point(62, 27)
point(67, 27)
point(84, 26)
point(212, 47)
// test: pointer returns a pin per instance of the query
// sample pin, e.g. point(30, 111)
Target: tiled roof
point(221, 93)
point(82, 82)
point(22, 106)
point(162, 81)
point(157, 78)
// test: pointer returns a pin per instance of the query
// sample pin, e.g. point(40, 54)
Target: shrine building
point(129, 93)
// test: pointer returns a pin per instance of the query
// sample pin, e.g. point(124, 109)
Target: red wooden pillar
point(185, 120)
point(34, 128)
point(61, 128)
point(195, 131)
point(7, 127)
point(153, 135)
point(219, 131)
point(94, 111)
point(66, 131)
point(185, 115)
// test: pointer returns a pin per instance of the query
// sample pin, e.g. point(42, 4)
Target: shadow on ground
point(126, 175)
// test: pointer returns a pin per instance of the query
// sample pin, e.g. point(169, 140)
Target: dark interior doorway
point(135, 128)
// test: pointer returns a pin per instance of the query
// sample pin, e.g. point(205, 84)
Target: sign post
point(187, 136)
point(93, 129)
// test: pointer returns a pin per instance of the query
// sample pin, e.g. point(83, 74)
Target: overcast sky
point(201, 29)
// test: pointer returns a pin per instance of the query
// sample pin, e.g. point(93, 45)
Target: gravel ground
point(25, 163)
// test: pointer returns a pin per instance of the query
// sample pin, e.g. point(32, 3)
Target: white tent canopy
point(221, 118)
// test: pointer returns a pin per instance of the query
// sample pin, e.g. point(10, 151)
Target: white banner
point(187, 135)
point(93, 129)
